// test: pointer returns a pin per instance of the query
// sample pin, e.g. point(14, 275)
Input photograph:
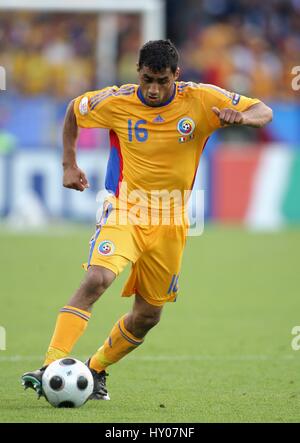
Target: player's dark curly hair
point(159, 55)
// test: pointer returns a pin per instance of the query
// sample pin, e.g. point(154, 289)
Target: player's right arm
point(73, 176)
point(90, 110)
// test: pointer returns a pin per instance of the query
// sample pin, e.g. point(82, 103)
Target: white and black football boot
point(100, 391)
point(33, 380)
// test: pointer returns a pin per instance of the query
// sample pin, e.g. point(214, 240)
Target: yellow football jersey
point(155, 148)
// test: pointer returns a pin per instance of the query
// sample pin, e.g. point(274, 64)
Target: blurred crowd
point(50, 54)
point(55, 54)
point(249, 46)
point(245, 45)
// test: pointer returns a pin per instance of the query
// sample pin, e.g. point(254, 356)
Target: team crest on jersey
point(106, 247)
point(186, 127)
point(84, 105)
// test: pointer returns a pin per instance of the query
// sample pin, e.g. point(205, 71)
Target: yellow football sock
point(119, 343)
point(70, 325)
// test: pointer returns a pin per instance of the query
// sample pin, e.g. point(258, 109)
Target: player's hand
point(229, 116)
point(75, 178)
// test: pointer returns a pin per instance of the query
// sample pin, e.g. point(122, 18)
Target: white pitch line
point(158, 358)
point(212, 357)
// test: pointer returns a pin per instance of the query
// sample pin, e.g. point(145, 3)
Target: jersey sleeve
point(94, 109)
point(214, 96)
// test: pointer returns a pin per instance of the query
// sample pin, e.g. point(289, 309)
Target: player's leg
point(126, 335)
point(142, 318)
point(73, 318)
point(72, 321)
point(111, 248)
point(155, 275)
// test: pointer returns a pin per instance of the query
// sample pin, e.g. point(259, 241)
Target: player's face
point(157, 87)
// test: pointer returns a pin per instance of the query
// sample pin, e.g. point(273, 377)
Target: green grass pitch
point(221, 353)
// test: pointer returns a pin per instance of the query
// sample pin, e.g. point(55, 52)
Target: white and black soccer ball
point(67, 383)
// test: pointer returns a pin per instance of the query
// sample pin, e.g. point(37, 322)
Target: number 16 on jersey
point(135, 130)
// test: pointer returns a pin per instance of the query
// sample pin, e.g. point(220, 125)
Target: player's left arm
point(225, 108)
point(256, 116)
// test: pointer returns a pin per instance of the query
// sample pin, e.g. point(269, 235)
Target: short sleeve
point(214, 96)
point(94, 109)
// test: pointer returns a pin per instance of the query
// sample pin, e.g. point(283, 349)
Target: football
point(67, 383)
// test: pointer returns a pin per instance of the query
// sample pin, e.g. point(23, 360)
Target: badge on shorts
point(186, 127)
point(106, 247)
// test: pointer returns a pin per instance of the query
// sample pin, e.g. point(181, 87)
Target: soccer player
point(158, 130)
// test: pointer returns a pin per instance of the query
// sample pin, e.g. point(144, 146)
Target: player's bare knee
point(145, 321)
point(97, 281)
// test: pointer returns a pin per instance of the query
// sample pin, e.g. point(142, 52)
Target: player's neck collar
point(141, 97)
